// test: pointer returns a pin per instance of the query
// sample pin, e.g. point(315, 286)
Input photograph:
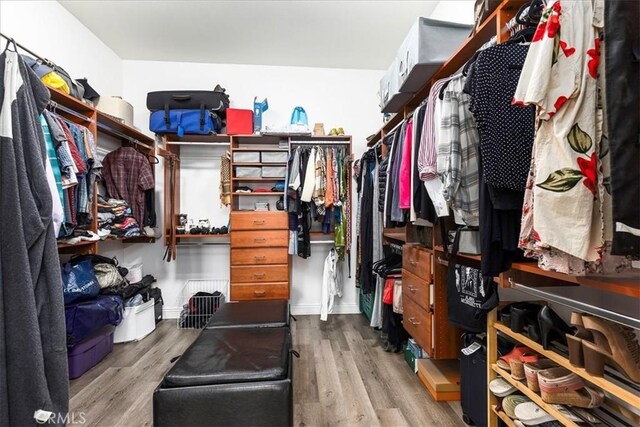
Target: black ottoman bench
point(229, 377)
point(253, 314)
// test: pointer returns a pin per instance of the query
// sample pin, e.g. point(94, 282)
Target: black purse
point(470, 296)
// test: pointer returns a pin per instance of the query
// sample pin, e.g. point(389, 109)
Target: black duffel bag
point(216, 101)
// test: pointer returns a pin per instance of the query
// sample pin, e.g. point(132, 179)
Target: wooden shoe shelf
point(493, 327)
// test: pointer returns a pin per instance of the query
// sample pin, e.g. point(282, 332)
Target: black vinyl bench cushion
point(255, 314)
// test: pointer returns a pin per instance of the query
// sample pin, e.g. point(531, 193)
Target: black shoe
point(552, 327)
point(524, 314)
point(224, 230)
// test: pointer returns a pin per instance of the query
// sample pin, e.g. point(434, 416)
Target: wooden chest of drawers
point(424, 301)
point(259, 256)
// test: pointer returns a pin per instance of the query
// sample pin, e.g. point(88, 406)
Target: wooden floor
point(343, 377)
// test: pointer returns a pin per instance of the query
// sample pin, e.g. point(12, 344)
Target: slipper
point(558, 380)
point(501, 388)
point(510, 403)
point(531, 414)
point(531, 372)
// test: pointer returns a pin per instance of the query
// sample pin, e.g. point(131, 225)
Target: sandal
point(586, 397)
point(531, 372)
point(558, 380)
point(501, 388)
point(510, 403)
point(520, 353)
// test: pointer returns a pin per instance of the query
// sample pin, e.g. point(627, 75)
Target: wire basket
point(199, 299)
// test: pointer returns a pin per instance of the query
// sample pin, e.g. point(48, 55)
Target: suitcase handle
point(181, 97)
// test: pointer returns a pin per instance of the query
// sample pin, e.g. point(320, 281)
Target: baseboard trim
point(296, 310)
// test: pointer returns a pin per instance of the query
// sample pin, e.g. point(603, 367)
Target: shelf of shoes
point(504, 417)
point(603, 383)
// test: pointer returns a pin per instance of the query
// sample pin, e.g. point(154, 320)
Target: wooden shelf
point(504, 417)
point(80, 244)
point(397, 234)
point(202, 236)
point(534, 397)
point(600, 382)
point(124, 129)
point(139, 239)
point(258, 179)
point(259, 149)
point(259, 193)
point(69, 101)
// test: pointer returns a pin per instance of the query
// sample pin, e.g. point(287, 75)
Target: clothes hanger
point(10, 42)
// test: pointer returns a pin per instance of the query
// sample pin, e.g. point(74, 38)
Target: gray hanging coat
point(33, 353)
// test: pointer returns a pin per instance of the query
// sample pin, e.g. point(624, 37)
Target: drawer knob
point(260, 240)
point(259, 293)
point(259, 275)
point(260, 257)
point(413, 263)
point(413, 321)
point(258, 221)
point(412, 289)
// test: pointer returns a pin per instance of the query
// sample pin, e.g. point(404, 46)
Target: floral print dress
point(562, 214)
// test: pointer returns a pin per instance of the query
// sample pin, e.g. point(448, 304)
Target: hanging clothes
point(33, 353)
point(404, 174)
point(331, 284)
point(127, 175)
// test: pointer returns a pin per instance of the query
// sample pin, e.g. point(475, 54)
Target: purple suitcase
point(89, 352)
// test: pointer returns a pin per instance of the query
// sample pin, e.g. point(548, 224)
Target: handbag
point(470, 296)
point(79, 281)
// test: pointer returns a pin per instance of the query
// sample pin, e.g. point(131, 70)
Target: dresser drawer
point(259, 256)
point(259, 239)
point(417, 260)
point(259, 291)
point(417, 322)
point(415, 288)
point(260, 273)
point(259, 221)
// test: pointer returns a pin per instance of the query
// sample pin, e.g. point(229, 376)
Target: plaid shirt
point(458, 147)
point(127, 175)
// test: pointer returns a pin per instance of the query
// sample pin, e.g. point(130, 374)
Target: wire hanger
point(10, 42)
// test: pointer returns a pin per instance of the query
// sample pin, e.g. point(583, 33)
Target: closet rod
point(322, 242)
point(55, 106)
point(202, 244)
point(322, 144)
point(46, 61)
point(208, 144)
point(119, 134)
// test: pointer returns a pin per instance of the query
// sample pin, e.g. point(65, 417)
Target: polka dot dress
point(506, 130)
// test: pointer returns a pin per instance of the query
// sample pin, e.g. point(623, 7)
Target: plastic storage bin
point(274, 157)
point(248, 171)
point(137, 322)
point(246, 156)
point(427, 46)
point(391, 99)
point(239, 122)
point(274, 171)
point(89, 352)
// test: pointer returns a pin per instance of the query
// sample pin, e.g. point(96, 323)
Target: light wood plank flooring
point(343, 377)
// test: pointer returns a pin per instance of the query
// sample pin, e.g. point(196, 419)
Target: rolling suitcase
point(473, 380)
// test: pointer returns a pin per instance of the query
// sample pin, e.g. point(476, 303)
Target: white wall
point(460, 11)
point(345, 98)
point(49, 30)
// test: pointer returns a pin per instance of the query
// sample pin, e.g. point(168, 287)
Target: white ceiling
point(323, 33)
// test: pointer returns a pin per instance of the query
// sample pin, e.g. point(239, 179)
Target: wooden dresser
point(425, 305)
point(259, 256)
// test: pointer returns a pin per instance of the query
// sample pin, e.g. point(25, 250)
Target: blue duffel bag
point(84, 318)
point(182, 122)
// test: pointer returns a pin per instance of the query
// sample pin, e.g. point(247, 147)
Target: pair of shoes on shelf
point(538, 322)
point(515, 360)
point(558, 385)
point(336, 132)
point(598, 341)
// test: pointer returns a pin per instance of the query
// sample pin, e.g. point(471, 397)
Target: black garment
point(392, 326)
point(382, 182)
point(622, 69)
point(367, 279)
point(422, 203)
point(149, 209)
point(506, 130)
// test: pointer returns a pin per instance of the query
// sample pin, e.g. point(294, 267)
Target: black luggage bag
point(473, 382)
point(216, 101)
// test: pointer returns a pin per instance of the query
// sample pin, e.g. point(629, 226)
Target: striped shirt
point(427, 156)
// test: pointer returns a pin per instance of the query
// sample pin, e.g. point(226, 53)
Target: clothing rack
point(322, 144)
point(30, 52)
point(55, 106)
point(119, 134)
point(208, 144)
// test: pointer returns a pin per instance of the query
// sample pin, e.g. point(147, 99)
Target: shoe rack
point(494, 414)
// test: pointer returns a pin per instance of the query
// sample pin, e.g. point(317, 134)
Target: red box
point(239, 122)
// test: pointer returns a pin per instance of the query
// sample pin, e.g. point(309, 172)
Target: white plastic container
point(274, 157)
point(135, 273)
point(274, 171)
point(137, 323)
point(246, 156)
